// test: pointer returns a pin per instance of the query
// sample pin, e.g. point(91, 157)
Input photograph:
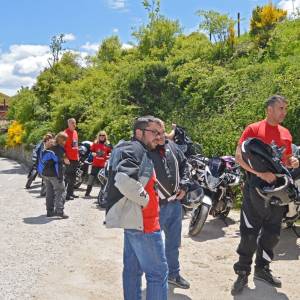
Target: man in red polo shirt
point(71, 149)
point(260, 223)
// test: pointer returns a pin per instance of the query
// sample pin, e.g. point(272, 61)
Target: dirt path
point(79, 259)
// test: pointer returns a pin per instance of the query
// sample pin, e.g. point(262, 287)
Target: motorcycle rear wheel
point(78, 182)
point(198, 220)
point(30, 179)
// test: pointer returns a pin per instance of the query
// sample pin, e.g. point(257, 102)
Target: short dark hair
point(143, 122)
point(274, 99)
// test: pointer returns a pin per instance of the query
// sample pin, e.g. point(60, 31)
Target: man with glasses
point(133, 204)
point(172, 178)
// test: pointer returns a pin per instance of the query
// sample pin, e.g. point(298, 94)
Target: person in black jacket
point(172, 177)
point(51, 168)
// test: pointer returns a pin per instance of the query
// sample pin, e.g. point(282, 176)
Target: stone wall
point(18, 153)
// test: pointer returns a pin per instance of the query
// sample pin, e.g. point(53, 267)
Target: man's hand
point(267, 176)
point(180, 194)
point(66, 161)
point(293, 162)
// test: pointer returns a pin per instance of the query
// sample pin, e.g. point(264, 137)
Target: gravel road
point(78, 259)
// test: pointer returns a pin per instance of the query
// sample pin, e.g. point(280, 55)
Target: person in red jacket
point(71, 150)
point(101, 150)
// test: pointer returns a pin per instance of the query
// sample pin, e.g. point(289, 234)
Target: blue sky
point(26, 27)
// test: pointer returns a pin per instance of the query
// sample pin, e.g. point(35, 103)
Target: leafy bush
point(14, 134)
point(180, 78)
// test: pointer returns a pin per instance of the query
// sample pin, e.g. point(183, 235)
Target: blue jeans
point(171, 223)
point(144, 253)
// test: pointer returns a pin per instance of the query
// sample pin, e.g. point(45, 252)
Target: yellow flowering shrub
point(14, 134)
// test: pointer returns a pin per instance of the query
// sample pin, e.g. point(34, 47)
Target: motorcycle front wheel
point(198, 219)
point(100, 199)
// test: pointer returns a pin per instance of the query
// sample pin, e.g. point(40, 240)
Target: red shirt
point(71, 146)
point(102, 152)
point(151, 211)
point(268, 133)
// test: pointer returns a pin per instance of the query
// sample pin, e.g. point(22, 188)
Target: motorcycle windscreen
point(212, 181)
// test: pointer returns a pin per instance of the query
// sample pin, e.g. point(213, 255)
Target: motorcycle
point(85, 161)
point(217, 176)
point(33, 170)
point(33, 173)
point(292, 214)
point(102, 178)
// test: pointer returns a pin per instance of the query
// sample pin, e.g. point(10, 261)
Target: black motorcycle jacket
point(171, 170)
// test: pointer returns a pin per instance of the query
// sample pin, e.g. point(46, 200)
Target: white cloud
point(91, 47)
point(288, 5)
point(126, 46)
point(117, 4)
point(20, 65)
point(115, 30)
point(68, 37)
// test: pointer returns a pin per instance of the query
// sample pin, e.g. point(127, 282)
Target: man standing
point(172, 177)
point(260, 224)
point(133, 204)
point(71, 150)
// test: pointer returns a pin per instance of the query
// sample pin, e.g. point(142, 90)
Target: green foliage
point(264, 19)
point(3, 137)
point(214, 89)
point(157, 38)
point(110, 50)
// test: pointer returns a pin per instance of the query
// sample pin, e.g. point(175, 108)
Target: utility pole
point(294, 16)
point(239, 24)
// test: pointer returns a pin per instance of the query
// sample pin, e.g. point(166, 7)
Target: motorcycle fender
point(207, 200)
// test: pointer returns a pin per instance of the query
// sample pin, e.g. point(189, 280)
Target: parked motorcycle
point(102, 177)
point(293, 210)
point(85, 161)
point(33, 170)
point(217, 176)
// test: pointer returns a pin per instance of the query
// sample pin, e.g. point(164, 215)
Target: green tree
point(110, 50)
point(263, 21)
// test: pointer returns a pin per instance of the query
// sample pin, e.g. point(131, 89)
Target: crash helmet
point(282, 192)
point(261, 157)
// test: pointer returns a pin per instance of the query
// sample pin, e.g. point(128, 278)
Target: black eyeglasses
point(155, 132)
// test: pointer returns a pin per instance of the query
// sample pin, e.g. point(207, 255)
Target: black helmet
point(281, 193)
point(185, 143)
point(262, 157)
point(193, 196)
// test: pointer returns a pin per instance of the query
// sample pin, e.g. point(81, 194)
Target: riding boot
point(88, 190)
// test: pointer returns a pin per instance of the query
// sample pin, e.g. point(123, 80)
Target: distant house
point(4, 103)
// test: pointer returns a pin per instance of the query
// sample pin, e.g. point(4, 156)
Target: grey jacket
point(129, 171)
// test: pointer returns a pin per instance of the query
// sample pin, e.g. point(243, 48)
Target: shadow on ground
point(261, 291)
point(213, 229)
point(172, 294)
point(40, 220)
point(288, 249)
point(16, 169)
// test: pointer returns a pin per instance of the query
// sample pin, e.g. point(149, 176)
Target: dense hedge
point(180, 78)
